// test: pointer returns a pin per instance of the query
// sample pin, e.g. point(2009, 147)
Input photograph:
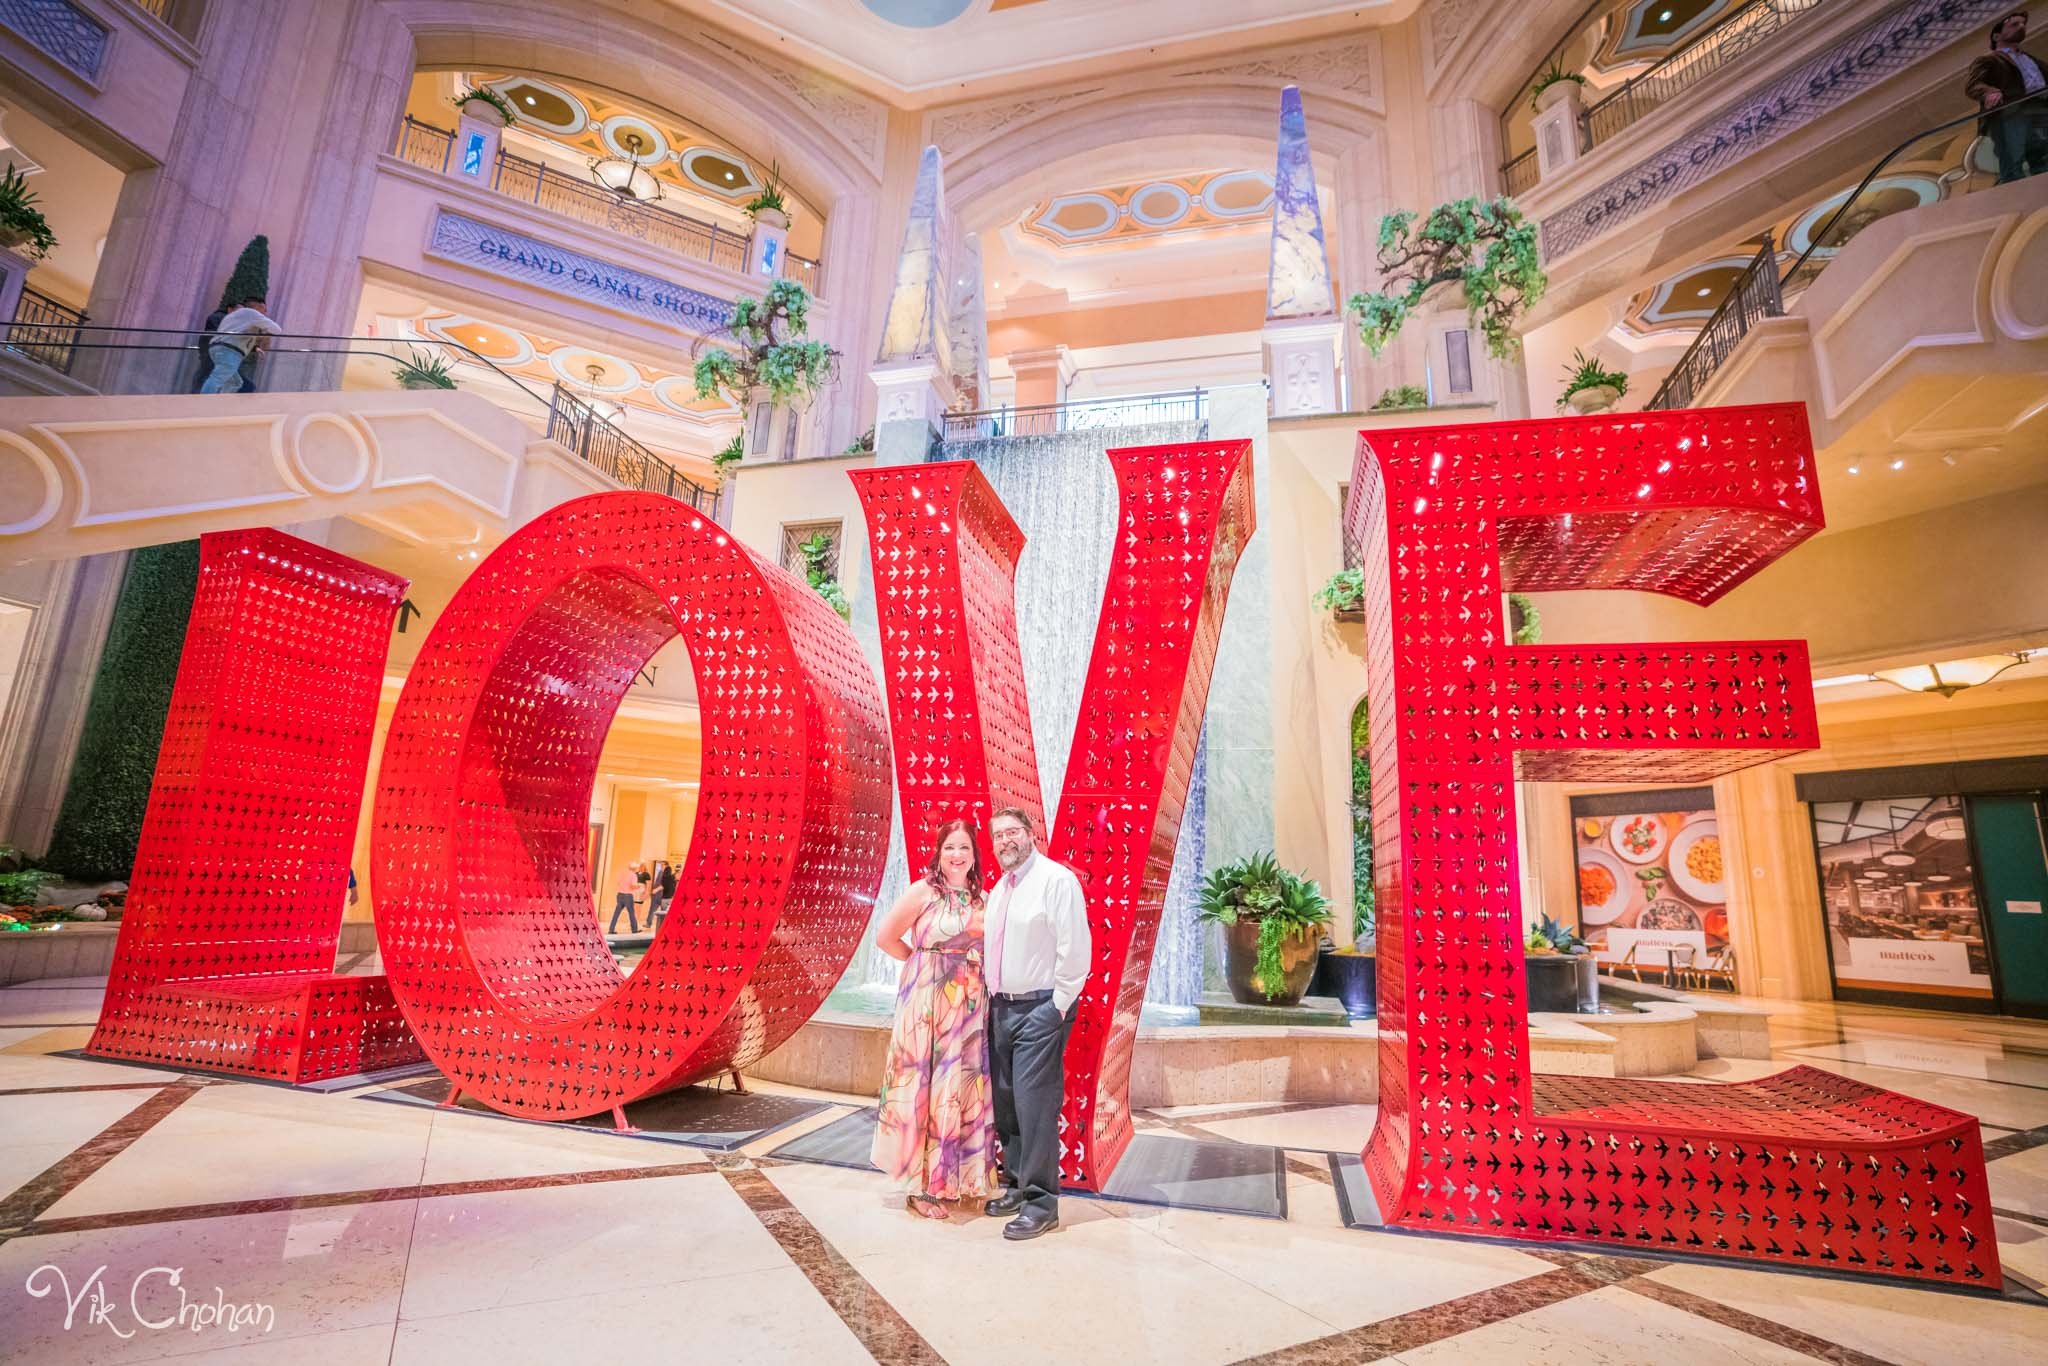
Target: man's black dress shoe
point(1030, 1224)
point(1004, 1205)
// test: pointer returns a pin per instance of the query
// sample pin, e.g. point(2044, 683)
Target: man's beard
point(1010, 856)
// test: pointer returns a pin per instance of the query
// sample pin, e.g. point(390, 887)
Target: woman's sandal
point(927, 1206)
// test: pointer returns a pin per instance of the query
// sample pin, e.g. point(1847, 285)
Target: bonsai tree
point(817, 552)
point(1401, 396)
point(1485, 244)
point(774, 359)
point(483, 94)
point(1554, 75)
point(422, 371)
point(1584, 375)
point(1257, 888)
point(770, 198)
point(1343, 591)
point(21, 222)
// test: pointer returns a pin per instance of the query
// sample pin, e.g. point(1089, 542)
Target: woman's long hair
point(936, 876)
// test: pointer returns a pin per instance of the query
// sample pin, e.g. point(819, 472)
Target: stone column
point(474, 157)
point(1559, 125)
point(1042, 376)
point(14, 269)
point(765, 247)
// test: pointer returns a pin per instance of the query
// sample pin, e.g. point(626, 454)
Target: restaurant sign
point(1890, 44)
point(515, 256)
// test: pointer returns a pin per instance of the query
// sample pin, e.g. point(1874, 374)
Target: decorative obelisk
point(913, 373)
point(1304, 331)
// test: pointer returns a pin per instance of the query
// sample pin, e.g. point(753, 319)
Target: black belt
point(1023, 997)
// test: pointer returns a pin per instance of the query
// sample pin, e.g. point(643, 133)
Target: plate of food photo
point(1698, 865)
point(1639, 839)
point(1604, 886)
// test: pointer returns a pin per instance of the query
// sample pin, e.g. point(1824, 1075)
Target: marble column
point(1559, 127)
point(1042, 376)
point(1303, 334)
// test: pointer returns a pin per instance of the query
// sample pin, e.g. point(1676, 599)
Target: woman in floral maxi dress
point(935, 1133)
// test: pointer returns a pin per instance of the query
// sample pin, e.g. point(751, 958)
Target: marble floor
point(315, 1228)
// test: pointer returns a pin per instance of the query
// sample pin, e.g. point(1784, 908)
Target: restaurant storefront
point(1933, 879)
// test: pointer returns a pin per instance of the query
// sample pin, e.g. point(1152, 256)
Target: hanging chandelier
point(626, 176)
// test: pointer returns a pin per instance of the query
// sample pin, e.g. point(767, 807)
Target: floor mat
point(696, 1115)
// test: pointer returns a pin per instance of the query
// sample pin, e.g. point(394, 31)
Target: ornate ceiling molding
point(1446, 26)
point(855, 119)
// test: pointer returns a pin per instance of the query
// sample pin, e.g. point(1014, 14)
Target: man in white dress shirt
point(1036, 961)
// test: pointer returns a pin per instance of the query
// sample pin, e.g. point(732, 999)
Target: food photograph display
point(1901, 897)
point(1652, 878)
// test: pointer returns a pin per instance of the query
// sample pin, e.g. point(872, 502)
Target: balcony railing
point(517, 177)
point(1761, 290)
point(1044, 419)
point(559, 415)
point(45, 331)
point(1677, 74)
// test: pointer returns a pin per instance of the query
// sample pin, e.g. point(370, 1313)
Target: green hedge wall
point(101, 819)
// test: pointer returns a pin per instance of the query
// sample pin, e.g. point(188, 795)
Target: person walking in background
point(664, 892)
point(934, 1133)
point(627, 898)
point(1038, 960)
point(241, 334)
point(1998, 81)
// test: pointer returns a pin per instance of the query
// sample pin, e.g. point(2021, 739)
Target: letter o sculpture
point(482, 878)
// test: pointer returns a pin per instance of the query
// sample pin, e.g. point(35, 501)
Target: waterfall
point(1059, 489)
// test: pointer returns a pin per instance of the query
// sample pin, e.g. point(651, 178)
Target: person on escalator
point(2001, 78)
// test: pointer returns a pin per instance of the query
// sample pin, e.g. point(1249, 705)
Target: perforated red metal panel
point(484, 907)
point(1804, 1168)
point(945, 555)
point(226, 953)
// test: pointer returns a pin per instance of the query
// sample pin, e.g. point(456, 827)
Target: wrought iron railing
point(45, 331)
point(1044, 419)
point(1675, 74)
point(560, 415)
point(516, 177)
point(1712, 52)
point(1761, 290)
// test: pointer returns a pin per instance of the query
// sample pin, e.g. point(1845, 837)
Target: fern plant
point(485, 95)
point(422, 371)
point(20, 219)
point(1257, 888)
point(817, 552)
point(1401, 396)
point(1343, 591)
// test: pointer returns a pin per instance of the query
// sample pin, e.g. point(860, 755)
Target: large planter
point(1352, 978)
point(1241, 958)
point(772, 218)
point(417, 385)
point(1555, 94)
point(484, 111)
point(1597, 398)
point(1559, 982)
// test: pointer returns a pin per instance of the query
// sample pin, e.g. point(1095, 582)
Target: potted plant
point(864, 444)
point(1559, 971)
point(817, 552)
point(421, 371)
point(21, 222)
point(1484, 246)
point(483, 96)
point(1271, 920)
point(769, 206)
point(728, 455)
point(1342, 593)
point(1401, 396)
point(1552, 83)
point(774, 360)
point(1589, 386)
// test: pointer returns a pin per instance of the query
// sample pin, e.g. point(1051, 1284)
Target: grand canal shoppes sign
point(499, 974)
